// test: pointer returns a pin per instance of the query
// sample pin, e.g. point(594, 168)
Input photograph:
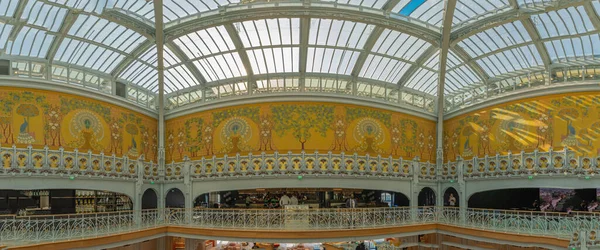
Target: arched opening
point(451, 197)
point(175, 199)
point(149, 199)
point(426, 197)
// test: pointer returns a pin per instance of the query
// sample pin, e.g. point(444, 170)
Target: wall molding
point(296, 97)
point(28, 83)
point(575, 87)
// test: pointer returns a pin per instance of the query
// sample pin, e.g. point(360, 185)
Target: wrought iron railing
point(16, 230)
point(557, 163)
point(248, 166)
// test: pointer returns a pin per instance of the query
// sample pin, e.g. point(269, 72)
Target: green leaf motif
point(251, 113)
point(355, 113)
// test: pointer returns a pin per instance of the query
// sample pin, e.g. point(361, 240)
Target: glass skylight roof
point(113, 40)
point(383, 69)
point(564, 22)
point(267, 32)
point(30, 42)
point(334, 61)
point(339, 33)
point(399, 45)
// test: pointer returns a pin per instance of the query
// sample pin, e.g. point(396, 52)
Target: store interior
point(312, 197)
point(62, 201)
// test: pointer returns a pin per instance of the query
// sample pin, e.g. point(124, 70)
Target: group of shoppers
point(276, 201)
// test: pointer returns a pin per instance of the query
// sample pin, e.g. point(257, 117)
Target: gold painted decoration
point(296, 127)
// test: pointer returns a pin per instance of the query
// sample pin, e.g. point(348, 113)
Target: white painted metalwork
point(15, 230)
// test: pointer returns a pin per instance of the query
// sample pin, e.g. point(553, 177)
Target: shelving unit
point(87, 201)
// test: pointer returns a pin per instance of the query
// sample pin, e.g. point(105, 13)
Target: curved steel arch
point(229, 15)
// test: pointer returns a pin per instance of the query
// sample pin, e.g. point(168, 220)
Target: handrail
point(35, 229)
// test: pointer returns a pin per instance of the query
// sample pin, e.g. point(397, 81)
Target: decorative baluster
point(510, 163)
point(14, 158)
point(89, 161)
point(523, 166)
point(29, 159)
point(303, 163)
point(276, 162)
point(250, 167)
point(237, 168)
point(289, 167)
point(45, 165)
point(76, 160)
point(263, 163)
point(101, 164)
point(203, 166)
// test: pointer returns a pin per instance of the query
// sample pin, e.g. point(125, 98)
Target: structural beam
point(422, 59)
point(464, 56)
point(539, 45)
point(70, 19)
point(18, 23)
point(591, 12)
point(144, 28)
point(134, 54)
point(508, 17)
point(304, 34)
point(186, 61)
point(306, 10)
point(241, 50)
point(446, 32)
point(369, 43)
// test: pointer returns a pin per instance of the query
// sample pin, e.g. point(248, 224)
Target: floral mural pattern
point(293, 127)
point(556, 121)
point(44, 118)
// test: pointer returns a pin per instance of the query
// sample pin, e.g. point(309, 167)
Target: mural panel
point(555, 121)
point(39, 118)
point(288, 126)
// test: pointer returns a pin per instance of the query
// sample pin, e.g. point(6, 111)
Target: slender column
point(158, 13)
point(462, 192)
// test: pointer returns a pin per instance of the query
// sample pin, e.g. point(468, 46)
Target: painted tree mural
point(53, 125)
point(27, 111)
point(339, 127)
point(194, 143)
point(302, 120)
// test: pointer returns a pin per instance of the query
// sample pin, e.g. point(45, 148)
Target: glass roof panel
point(221, 66)
point(143, 9)
point(460, 77)
point(8, 7)
point(44, 15)
point(274, 60)
point(5, 30)
point(205, 42)
point(169, 57)
point(534, 3)
point(424, 80)
point(267, 32)
point(176, 9)
point(469, 10)
point(108, 33)
point(574, 48)
point(453, 60)
point(142, 71)
point(376, 4)
point(88, 55)
point(339, 33)
point(433, 62)
point(430, 11)
point(596, 5)
point(495, 38)
point(334, 61)
point(30, 42)
point(570, 21)
point(400, 45)
point(507, 61)
point(177, 78)
point(383, 68)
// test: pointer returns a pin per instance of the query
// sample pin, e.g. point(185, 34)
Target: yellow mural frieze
point(289, 126)
point(557, 121)
point(44, 118)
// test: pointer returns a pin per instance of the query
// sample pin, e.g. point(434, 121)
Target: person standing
point(284, 200)
point(294, 200)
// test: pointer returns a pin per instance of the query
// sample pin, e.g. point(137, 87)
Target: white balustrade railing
point(548, 163)
point(15, 161)
point(300, 164)
point(16, 230)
